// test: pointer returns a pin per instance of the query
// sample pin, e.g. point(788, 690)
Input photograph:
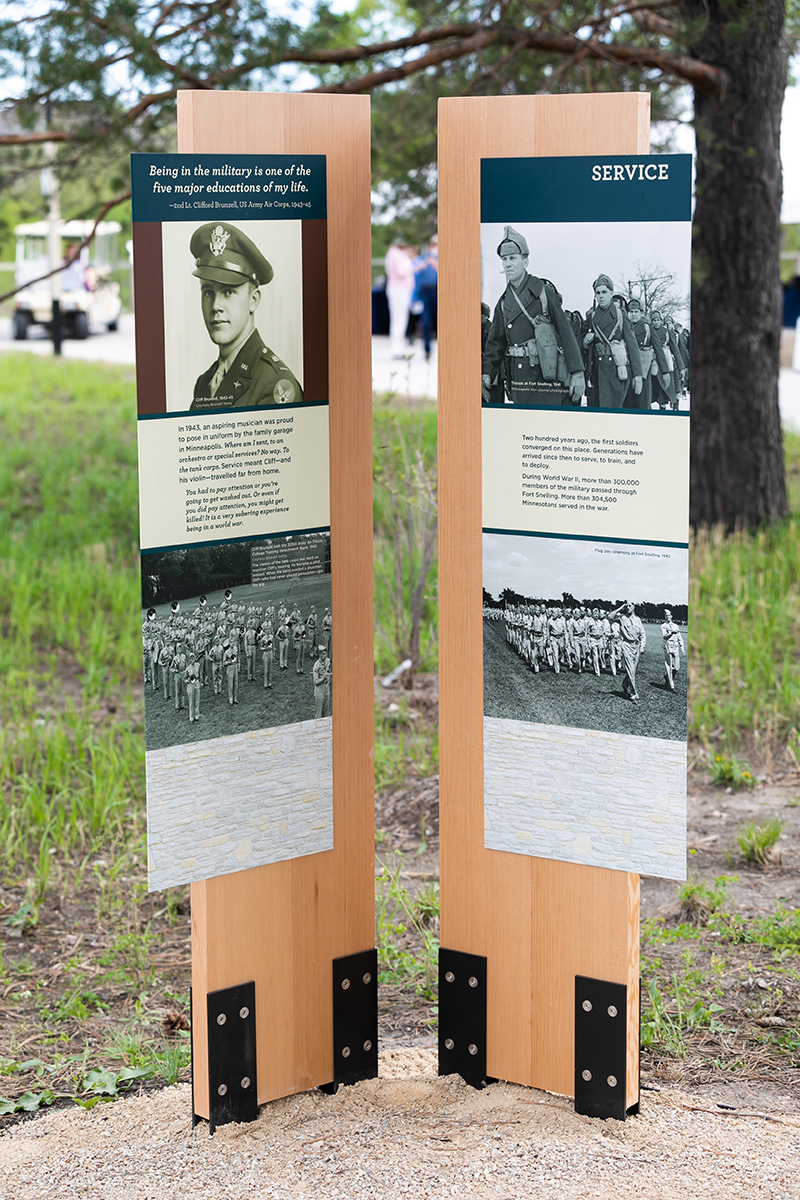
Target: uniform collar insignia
point(237, 383)
point(242, 366)
point(219, 240)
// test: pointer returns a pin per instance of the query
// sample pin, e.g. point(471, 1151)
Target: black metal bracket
point(601, 1048)
point(462, 1016)
point(232, 1085)
point(355, 1019)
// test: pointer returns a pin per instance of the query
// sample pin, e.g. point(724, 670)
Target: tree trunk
point(737, 451)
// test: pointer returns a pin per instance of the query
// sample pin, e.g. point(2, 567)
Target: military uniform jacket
point(644, 339)
point(612, 323)
point(662, 338)
point(677, 352)
point(510, 326)
point(256, 377)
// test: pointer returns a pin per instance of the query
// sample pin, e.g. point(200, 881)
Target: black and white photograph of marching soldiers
point(235, 638)
point(587, 634)
point(586, 315)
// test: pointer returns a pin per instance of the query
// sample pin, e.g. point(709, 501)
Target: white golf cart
point(89, 296)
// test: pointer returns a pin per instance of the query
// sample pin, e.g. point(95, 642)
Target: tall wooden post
point(282, 925)
point(538, 923)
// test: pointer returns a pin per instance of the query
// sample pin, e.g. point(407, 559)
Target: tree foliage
point(98, 79)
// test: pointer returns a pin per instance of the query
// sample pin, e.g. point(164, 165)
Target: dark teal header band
point(583, 537)
point(648, 187)
point(228, 187)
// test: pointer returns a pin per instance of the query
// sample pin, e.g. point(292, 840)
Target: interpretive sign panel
point(232, 382)
point(585, 468)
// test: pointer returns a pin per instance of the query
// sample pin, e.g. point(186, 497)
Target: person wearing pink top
point(399, 269)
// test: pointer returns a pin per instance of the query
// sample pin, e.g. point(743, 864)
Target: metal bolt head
point(367, 1045)
point(244, 1012)
point(612, 1010)
point(449, 1043)
point(473, 1049)
point(449, 976)
point(612, 1081)
point(586, 1076)
point(221, 1019)
point(473, 981)
point(222, 1090)
point(345, 1051)
point(587, 1006)
point(246, 1083)
point(366, 977)
point(345, 984)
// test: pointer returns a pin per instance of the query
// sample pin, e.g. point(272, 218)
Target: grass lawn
point(94, 971)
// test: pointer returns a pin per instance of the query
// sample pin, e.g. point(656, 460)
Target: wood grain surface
point(283, 924)
point(539, 923)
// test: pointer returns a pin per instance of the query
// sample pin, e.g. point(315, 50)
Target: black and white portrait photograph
point(233, 303)
point(235, 638)
point(581, 314)
point(586, 634)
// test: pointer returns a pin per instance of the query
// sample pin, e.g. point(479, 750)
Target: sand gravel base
point(407, 1133)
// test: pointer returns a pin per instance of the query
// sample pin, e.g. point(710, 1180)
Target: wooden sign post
point(540, 925)
point(280, 926)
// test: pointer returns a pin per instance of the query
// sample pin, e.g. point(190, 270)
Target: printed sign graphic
point(230, 265)
point(585, 391)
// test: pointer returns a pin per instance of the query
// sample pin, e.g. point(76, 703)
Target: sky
point(537, 566)
point(790, 148)
point(790, 153)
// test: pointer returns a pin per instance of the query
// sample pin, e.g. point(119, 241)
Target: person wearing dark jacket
point(664, 391)
point(654, 361)
point(246, 373)
point(612, 352)
point(531, 355)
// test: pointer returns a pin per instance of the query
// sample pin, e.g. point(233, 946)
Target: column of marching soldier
point(586, 640)
point(208, 647)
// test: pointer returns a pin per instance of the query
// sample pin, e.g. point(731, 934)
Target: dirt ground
point(406, 1133)
point(738, 1064)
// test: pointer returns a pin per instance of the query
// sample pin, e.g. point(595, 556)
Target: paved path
point(100, 346)
point(409, 377)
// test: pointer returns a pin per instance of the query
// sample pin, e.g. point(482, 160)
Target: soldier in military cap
point(531, 347)
point(651, 353)
point(664, 394)
point(231, 270)
point(611, 350)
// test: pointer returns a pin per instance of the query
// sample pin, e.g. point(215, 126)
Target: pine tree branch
point(450, 43)
point(444, 54)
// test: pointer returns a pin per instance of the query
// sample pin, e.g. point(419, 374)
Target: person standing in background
point(664, 394)
point(677, 354)
point(399, 269)
point(673, 649)
point(426, 274)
